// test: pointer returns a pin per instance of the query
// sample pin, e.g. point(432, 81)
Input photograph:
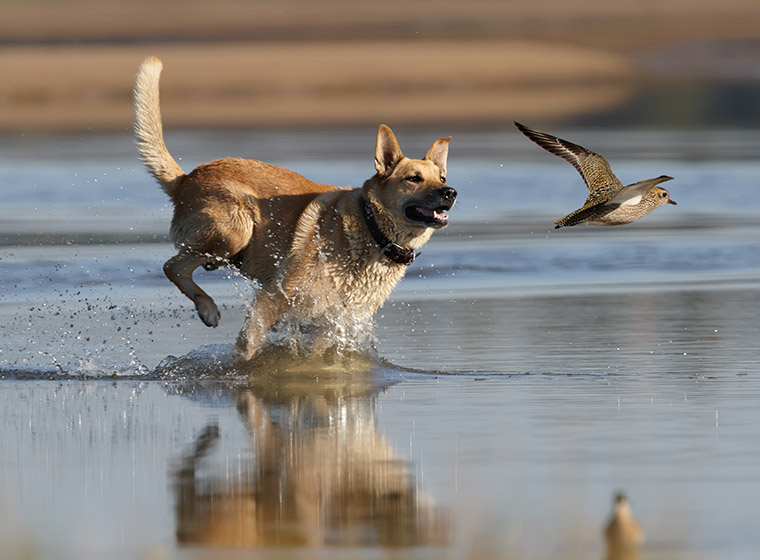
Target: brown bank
point(69, 65)
point(310, 84)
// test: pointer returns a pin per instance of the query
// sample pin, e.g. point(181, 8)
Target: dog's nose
point(448, 194)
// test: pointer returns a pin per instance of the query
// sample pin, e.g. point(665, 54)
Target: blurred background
point(67, 65)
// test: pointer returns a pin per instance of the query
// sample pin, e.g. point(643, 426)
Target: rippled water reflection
point(522, 375)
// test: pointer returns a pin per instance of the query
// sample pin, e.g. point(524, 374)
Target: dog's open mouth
point(431, 217)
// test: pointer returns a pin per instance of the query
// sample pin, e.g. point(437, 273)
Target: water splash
point(343, 332)
point(78, 327)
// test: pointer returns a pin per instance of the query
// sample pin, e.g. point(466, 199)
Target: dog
point(316, 250)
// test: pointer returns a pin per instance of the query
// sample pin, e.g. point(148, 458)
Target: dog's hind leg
point(179, 269)
point(208, 239)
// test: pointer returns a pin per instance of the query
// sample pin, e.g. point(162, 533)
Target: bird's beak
point(673, 202)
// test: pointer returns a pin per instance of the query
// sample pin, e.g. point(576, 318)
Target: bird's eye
point(664, 195)
point(414, 178)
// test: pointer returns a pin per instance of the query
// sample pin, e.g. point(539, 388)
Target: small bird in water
point(609, 203)
point(623, 533)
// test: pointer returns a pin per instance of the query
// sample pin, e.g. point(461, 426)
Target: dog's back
point(251, 204)
point(218, 203)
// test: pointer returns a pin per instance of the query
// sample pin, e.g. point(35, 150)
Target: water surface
point(522, 374)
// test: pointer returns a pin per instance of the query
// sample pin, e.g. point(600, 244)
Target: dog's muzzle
point(432, 213)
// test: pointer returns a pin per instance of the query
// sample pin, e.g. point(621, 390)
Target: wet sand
point(69, 66)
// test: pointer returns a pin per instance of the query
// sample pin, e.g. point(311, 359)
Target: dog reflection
point(319, 474)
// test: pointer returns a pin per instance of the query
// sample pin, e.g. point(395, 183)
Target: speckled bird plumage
point(609, 203)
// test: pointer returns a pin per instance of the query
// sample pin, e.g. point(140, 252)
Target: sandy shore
point(323, 84)
point(69, 65)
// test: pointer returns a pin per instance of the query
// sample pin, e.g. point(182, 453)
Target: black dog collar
point(392, 251)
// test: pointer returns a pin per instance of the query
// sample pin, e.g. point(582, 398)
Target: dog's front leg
point(268, 308)
point(179, 269)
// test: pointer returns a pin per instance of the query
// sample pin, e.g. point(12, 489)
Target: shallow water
point(523, 374)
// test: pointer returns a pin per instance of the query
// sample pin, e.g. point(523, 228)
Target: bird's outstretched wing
point(594, 169)
point(633, 193)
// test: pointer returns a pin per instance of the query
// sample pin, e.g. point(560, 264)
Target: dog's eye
point(414, 178)
point(443, 179)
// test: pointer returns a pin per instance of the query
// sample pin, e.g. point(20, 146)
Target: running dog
point(315, 250)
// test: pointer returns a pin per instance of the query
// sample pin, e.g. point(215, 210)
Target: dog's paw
point(208, 312)
point(210, 317)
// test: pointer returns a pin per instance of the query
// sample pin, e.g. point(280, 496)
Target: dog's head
point(411, 193)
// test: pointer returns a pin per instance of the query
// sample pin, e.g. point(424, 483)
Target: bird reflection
point(319, 472)
point(622, 533)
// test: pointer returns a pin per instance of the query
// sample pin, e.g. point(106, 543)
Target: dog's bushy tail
point(149, 133)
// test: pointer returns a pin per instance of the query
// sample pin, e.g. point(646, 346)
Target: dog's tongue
point(434, 214)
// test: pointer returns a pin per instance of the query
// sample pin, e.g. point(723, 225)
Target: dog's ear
point(439, 153)
point(387, 151)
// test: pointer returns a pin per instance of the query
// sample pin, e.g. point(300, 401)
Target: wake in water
point(291, 346)
point(103, 328)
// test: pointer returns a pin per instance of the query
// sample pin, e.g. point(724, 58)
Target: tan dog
point(316, 250)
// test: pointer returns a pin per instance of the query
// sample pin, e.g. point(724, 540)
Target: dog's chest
point(366, 283)
point(334, 263)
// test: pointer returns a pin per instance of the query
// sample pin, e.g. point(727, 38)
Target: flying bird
point(609, 203)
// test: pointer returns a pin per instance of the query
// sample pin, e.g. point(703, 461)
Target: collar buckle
point(398, 254)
